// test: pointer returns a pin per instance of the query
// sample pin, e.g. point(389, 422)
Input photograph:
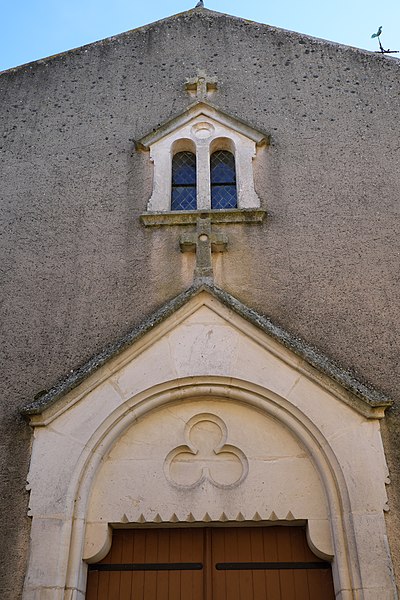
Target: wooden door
point(227, 563)
point(150, 564)
point(267, 563)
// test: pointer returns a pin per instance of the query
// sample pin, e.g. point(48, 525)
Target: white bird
point(200, 4)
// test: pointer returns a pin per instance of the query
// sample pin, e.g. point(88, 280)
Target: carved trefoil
point(206, 456)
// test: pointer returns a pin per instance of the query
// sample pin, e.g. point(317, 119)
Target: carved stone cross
point(201, 85)
point(203, 241)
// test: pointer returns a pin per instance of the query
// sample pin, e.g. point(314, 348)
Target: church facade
point(201, 295)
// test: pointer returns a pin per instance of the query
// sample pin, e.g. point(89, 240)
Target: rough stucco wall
point(79, 270)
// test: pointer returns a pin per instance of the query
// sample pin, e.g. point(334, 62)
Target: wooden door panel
point(92, 585)
point(149, 555)
point(259, 577)
point(227, 563)
point(127, 542)
point(269, 563)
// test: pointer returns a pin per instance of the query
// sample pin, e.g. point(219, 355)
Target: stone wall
point(79, 270)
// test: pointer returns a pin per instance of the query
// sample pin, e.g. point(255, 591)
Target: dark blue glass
point(223, 180)
point(183, 195)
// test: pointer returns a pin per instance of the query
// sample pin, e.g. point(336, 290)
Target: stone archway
point(335, 537)
point(205, 360)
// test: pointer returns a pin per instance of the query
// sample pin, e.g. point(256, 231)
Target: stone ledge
point(189, 217)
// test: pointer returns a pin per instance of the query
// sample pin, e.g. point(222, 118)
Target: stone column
point(162, 179)
point(247, 197)
point(203, 175)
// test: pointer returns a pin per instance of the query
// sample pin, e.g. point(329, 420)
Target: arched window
point(183, 195)
point(223, 180)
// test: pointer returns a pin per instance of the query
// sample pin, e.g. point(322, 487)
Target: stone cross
point(203, 241)
point(201, 85)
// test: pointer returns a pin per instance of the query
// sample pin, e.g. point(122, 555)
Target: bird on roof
point(200, 4)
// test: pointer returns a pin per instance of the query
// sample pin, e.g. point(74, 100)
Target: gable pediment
point(206, 332)
point(197, 113)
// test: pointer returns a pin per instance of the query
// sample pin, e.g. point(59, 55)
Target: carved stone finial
point(201, 85)
point(203, 241)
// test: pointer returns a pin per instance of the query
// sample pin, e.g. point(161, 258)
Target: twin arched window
point(222, 179)
point(184, 181)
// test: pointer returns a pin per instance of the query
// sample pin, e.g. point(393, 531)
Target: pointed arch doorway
point(216, 563)
point(281, 443)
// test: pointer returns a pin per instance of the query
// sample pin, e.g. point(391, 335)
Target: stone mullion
point(203, 175)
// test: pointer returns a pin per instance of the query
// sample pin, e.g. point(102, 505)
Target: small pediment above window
point(208, 111)
point(203, 161)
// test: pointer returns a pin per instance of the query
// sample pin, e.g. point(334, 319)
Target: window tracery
point(183, 192)
point(223, 180)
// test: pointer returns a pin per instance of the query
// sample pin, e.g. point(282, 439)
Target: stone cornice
point(189, 217)
point(207, 110)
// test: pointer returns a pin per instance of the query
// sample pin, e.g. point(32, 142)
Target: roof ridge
point(111, 38)
point(199, 11)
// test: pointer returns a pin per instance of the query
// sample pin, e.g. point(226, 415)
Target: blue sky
point(33, 29)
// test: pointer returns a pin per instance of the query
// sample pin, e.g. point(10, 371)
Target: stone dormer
point(202, 129)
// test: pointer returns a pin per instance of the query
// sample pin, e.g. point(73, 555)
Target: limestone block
point(254, 363)
point(150, 367)
point(45, 594)
point(319, 538)
point(352, 446)
point(374, 554)
point(74, 595)
point(205, 350)
point(49, 555)
point(381, 593)
point(322, 408)
point(52, 449)
point(349, 595)
point(97, 541)
point(89, 413)
point(205, 315)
